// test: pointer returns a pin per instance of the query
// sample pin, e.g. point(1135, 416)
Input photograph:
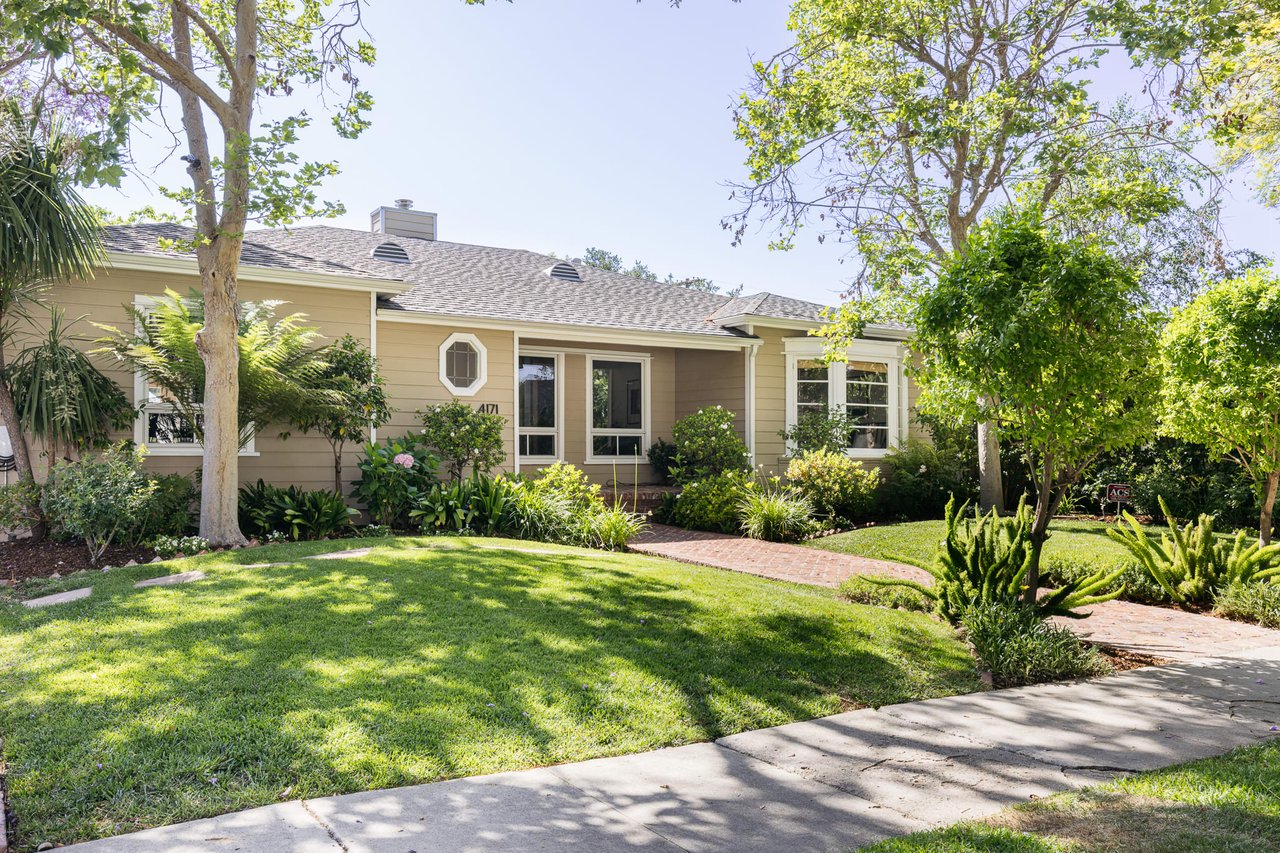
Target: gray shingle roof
point(483, 281)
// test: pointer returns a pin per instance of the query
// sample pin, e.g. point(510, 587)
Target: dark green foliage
point(465, 439)
point(662, 454)
point(1190, 563)
point(707, 446)
point(1250, 602)
point(1018, 646)
point(986, 560)
point(920, 478)
point(168, 511)
point(712, 503)
point(477, 503)
point(62, 398)
point(97, 499)
point(826, 429)
point(393, 476)
point(265, 509)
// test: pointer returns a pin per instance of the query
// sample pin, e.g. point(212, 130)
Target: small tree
point(1046, 338)
point(463, 437)
point(280, 368)
point(1221, 361)
point(360, 404)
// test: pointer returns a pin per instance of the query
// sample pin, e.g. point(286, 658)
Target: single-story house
point(587, 366)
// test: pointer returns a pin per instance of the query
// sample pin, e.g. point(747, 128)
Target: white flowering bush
point(463, 437)
point(707, 445)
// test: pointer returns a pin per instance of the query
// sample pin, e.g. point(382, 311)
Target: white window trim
point(891, 354)
point(646, 396)
point(482, 364)
point(558, 430)
point(141, 402)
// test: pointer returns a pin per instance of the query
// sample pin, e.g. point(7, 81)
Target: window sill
point(539, 460)
point(154, 450)
point(615, 460)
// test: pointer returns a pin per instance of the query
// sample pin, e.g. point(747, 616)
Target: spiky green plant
point(986, 560)
point(1190, 563)
point(61, 396)
point(282, 367)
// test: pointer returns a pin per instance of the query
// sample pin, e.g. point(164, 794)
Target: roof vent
point(392, 252)
point(404, 204)
point(565, 272)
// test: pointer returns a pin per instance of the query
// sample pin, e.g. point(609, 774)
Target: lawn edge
point(4, 804)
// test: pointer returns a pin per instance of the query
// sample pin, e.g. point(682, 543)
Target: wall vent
point(565, 272)
point(392, 252)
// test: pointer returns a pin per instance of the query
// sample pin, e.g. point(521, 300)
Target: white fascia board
point(570, 332)
point(248, 272)
point(871, 330)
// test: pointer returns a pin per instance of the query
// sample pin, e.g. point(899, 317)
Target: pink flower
point(404, 460)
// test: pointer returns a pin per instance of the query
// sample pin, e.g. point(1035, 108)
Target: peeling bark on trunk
point(1265, 521)
point(990, 481)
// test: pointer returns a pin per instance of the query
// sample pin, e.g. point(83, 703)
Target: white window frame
point(646, 408)
point(558, 430)
point(482, 364)
point(890, 354)
point(142, 401)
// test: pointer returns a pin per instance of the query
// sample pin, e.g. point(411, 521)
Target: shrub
point(839, 488)
point(476, 503)
point(167, 547)
point(859, 590)
point(662, 454)
point(1250, 602)
point(775, 515)
point(611, 528)
point(985, 562)
point(20, 505)
point(919, 480)
point(393, 476)
point(571, 483)
point(463, 437)
point(826, 429)
point(1017, 646)
point(168, 513)
point(1190, 563)
point(1133, 579)
point(96, 499)
point(265, 509)
point(544, 516)
point(712, 503)
point(707, 446)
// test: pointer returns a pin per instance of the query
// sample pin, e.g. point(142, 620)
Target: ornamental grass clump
point(775, 514)
point(985, 560)
point(1190, 563)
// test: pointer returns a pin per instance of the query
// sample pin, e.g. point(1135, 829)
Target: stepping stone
point(171, 580)
point(59, 597)
point(341, 555)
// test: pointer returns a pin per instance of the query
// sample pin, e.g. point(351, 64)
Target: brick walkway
point(1159, 631)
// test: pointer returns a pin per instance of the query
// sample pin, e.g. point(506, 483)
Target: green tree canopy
point(1047, 338)
point(1221, 361)
point(605, 260)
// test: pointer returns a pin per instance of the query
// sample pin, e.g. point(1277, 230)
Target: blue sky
point(555, 125)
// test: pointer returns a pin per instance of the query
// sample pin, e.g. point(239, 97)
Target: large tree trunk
point(217, 343)
point(21, 453)
point(990, 481)
point(1265, 521)
point(1047, 499)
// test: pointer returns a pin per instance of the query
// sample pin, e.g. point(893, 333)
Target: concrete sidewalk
point(829, 784)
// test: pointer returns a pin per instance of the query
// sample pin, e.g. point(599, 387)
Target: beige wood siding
point(711, 377)
point(301, 459)
point(771, 393)
point(409, 354)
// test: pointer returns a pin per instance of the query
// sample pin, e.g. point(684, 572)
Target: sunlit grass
point(425, 659)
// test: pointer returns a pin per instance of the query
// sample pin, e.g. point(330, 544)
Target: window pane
point(628, 445)
point(860, 393)
point(462, 364)
point(811, 371)
point(876, 438)
point(867, 371)
point(605, 445)
point(869, 415)
point(537, 391)
point(537, 445)
point(812, 393)
point(617, 395)
point(169, 428)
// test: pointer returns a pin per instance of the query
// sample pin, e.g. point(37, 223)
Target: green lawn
point(426, 659)
point(1229, 804)
point(1080, 543)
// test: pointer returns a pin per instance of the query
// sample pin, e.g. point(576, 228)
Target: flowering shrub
point(825, 429)
point(98, 498)
point(168, 547)
point(706, 445)
point(839, 488)
point(393, 477)
point(463, 437)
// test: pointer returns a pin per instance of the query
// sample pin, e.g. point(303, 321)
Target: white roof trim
point(249, 272)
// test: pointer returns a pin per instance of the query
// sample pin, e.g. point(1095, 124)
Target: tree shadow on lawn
point(143, 707)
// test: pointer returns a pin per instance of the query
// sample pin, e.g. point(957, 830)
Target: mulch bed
point(1122, 659)
point(20, 559)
